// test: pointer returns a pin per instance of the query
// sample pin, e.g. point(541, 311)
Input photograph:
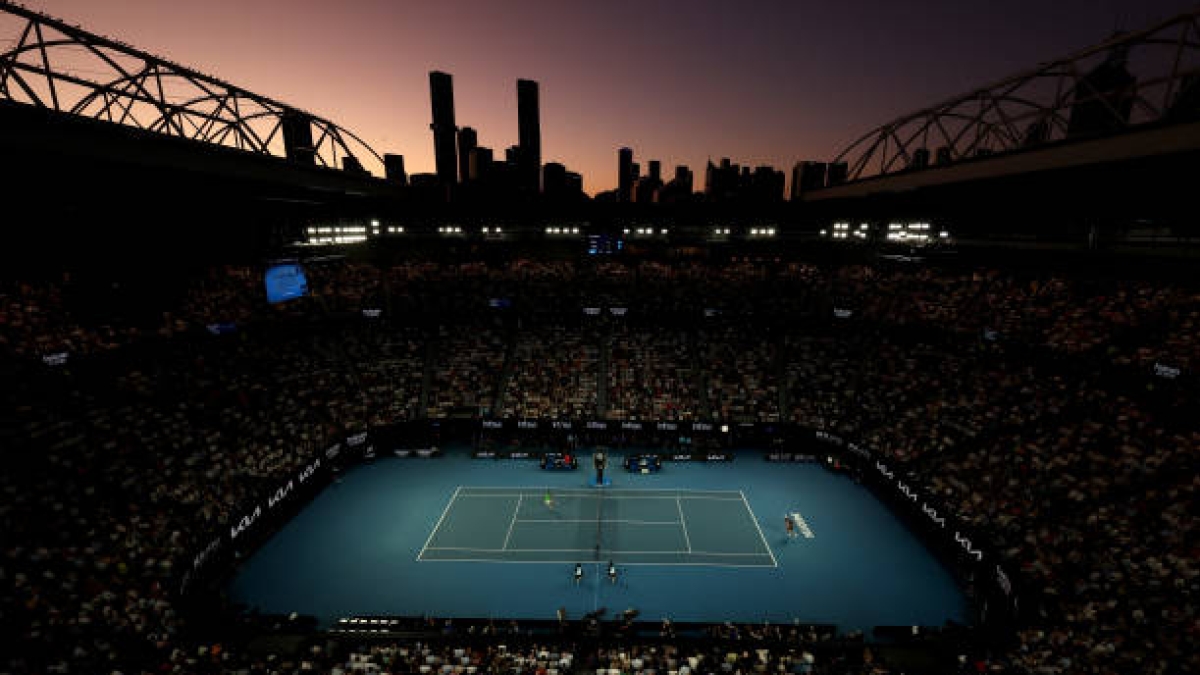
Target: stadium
point(265, 412)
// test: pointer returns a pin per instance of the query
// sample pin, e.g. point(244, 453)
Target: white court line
point(514, 521)
point(683, 522)
point(572, 562)
point(589, 491)
point(668, 493)
point(597, 496)
point(760, 532)
point(439, 522)
point(521, 492)
point(597, 520)
point(582, 550)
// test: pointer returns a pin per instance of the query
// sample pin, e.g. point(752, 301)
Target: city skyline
point(771, 85)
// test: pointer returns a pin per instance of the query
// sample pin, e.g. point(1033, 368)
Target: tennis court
point(630, 527)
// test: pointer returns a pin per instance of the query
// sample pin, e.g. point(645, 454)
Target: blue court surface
point(627, 527)
point(464, 537)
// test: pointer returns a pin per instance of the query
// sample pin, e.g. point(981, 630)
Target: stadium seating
point(1029, 403)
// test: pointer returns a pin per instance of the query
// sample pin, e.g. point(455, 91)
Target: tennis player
point(548, 500)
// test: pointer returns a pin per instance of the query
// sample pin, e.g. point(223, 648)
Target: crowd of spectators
point(553, 374)
point(469, 368)
point(390, 364)
point(1026, 403)
point(742, 374)
point(650, 375)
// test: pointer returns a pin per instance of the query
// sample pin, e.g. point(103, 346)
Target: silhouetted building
point(645, 191)
point(721, 182)
point(467, 140)
point(838, 173)
point(350, 164)
point(679, 188)
point(624, 175)
point(502, 176)
point(560, 185)
point(529, 161)
point(554, 179)
point(733, 183)
point(1103, 97)
point(683, 177)
point(806, 177)
point(765, 185)
point(393, 169)
point(441, 94)
point(575, 184)
point(427, 188)
point(297, 137)
point(479, 164)
point(647, 188)
point(920, 159)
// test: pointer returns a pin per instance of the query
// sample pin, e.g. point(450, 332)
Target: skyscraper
point(441, 94)
point(683, 177)
point(529, 138)
point(624, 174)
point(467, 141)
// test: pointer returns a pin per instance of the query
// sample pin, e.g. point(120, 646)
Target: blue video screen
point(285, 282)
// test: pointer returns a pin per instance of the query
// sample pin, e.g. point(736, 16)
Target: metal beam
point(1086, 93)
point(149, 93)
point(1142, 143)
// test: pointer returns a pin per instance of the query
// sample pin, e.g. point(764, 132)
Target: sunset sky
point(761, 82)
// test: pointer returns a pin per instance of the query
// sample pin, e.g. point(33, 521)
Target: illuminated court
point(629, 527)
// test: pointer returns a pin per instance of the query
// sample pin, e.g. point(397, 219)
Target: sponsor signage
point(56, 359)
point(1166, 372)
point(790, 457)
point(417, 452)
point(921, 507)
point(250, 516)
point(699, 456)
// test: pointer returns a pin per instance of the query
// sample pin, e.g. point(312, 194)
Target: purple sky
point(761, 82)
